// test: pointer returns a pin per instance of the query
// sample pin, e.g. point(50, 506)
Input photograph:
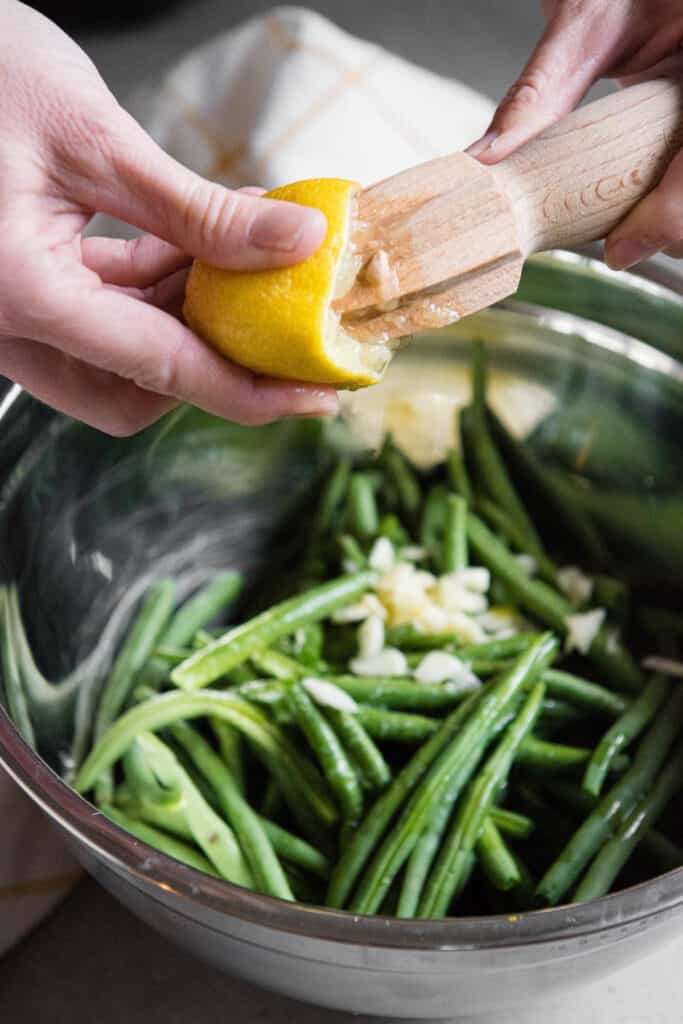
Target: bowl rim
point(125, 854)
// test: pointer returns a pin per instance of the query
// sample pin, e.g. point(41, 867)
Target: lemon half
point(281, 322)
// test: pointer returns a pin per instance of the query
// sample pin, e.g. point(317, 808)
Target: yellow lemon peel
point(281, 322)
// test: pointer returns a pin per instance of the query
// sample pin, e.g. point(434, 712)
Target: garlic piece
point(389, 662)
point(441, 667)
point(328, 694)
point(382, 556)
point(371, 637)
point(582, 629)
point(574, 583)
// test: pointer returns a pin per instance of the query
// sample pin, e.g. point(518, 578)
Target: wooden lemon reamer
point(441, 240)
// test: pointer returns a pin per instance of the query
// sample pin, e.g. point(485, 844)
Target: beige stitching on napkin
point(287, 41)
point(353, 76)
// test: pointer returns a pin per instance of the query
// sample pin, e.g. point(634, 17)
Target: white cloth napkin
point(282, 97)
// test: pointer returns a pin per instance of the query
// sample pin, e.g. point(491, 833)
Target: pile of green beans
point(271, 752)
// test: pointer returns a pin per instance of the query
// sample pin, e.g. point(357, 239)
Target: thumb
point(137, 182)
point(574, 51)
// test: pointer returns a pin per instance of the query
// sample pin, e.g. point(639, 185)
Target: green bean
point(395, 692)
point(448, 775)
point(453, 860)
point(523, 893)
point(615, 853)
point(188, 620)
point(172, 847)
point(495, 650)
point(495, 859)
point(358, 743)
point(623, 732)
point(366, 836)
point(142, 781)
point(239, 675)
point(666, 854)
point(170, 656)
point(556, 493)
point(148, 624)
point(583, 693)
point(352, 552)
point(551, 756)
point(396, 726)
point(309, 645)
point(424, 851)
point(140, 642)
point(230, 746)
point(504, 523)
point(273, 803)
point(279, 666)
point(165, 709)
point(202, 638)
point(422, 856)
point(454, 550)
point(16, 698)
point(616, 803)
point(295, 850)
point(408, 637)
point(519, 826)
point(547, 605)
point(457, 476)
point(490, 468)
point(253, 840)
point(433, 521)
point(402, 476)
point(329, 752)
point(210, 832)
point(559, 712)
point(390, 527)
point(240, 642)
point(333, 494)
point(199, 610)
point(165, 814)
point(363, 515)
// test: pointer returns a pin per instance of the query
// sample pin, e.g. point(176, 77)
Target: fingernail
point(283, 227)
point(627, 252)
point(485, 143)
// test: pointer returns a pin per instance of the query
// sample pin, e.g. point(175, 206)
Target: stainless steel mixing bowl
point(84, 519)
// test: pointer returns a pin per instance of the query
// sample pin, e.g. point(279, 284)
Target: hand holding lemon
point(91, 325)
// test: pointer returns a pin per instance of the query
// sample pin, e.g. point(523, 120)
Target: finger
point(135, 340)
point(167, 294)
point(655, 224)
point(575, 49)
point(669, 67)
point(136, 263)
point(652, 48)
point(127, 175)
point(93, 396)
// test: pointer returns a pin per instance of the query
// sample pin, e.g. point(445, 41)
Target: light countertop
point(92, 960)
